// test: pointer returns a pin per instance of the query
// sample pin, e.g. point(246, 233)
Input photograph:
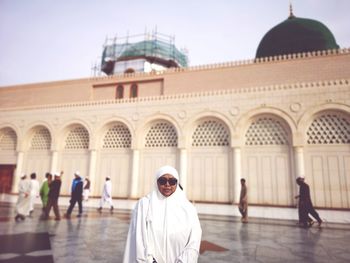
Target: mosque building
point(283, 114)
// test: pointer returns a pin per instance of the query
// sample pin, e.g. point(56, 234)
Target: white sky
point(48, 40)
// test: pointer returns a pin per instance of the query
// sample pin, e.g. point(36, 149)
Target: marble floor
point(100, 237)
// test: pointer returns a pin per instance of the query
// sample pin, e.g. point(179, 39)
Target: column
point(237, 169)
point(19, 171)
point(183, 169)
point(92, 169)
point(54, 161)
point(299, 161)
point(135, 173)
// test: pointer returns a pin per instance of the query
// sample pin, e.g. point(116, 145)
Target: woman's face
point(167, 184)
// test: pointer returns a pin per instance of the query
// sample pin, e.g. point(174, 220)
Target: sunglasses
point(163, 181)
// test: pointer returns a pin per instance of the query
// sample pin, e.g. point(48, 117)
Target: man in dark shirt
point(76, 195)
point(305, 204)
point(54, 192)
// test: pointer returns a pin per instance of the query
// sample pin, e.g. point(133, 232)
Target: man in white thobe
point(34, 193)
point(23, 201)
point(106, 194)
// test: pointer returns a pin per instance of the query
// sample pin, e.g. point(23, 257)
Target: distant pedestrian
point(243, 201)
point(54, 193)
point(76, 195)
point(305, 203)
point(44, 190)
point(309, 219)
point(86, 191)
point(34, 193)
point(106, 194)
point(23, 201)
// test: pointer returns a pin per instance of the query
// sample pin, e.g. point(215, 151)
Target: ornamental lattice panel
point(118, 136)
point(41, 140)
point(161, 134)
point(329, 129)
point(78, 138)
point(210, 133)
point(8, 139)
point(266, 131)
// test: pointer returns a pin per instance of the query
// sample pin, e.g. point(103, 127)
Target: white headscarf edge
point(167, 169)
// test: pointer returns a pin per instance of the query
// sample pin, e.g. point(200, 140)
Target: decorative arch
point(325, 133)
point(266, 139)
point(117, 135)
point(13, 127)
point(307, 118)
point(146, 125)
point(67, 128)
point(159, 143)
point(8, 138)
point(192, 123)
point(43, 134)
point(243, 124)
point(103, 128)
point(114, 141)
point(208, 135)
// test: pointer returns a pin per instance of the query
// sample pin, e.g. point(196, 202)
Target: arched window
point(161, 134)
point(78, 138)
point(266, 131)
point(133, 91)
point(41, 139)
point(329, 128)
point(129, 71)
point(120, 92)
point(210, 133)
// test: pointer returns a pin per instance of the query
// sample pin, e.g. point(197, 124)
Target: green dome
point(296, 35)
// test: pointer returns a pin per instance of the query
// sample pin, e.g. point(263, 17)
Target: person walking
point(76, 195)
point(34, 193)
point(23, 201)
point(164, 226)
point(86, 191)
point(305, 204)
point(106, 195)
point(53, 195)
point(44, 190)
point(309, 219)
point(243, 201)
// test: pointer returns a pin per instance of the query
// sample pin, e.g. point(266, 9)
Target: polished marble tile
point(100, 237)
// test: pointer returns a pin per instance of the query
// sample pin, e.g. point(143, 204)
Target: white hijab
point(164, 228)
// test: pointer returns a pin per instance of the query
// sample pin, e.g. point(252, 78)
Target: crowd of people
point(49, 192)
point(164, 225)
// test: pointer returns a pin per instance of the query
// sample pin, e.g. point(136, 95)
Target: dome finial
point(291, 15)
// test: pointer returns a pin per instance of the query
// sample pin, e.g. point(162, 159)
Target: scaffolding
point(153, 47)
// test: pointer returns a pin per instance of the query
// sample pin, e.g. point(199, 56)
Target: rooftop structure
point(141, 53)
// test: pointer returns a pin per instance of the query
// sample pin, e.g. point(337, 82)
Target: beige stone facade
point(267, 120)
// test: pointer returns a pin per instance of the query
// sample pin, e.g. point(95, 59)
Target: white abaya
point(164, 228)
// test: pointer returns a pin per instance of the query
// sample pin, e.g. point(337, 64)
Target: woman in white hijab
point(164, 227)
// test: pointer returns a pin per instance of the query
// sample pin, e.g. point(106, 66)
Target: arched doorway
point(8, 159)
point(37, 157)
point(208, 177)
point(115, 159)
point(75, 155)
point(327, 155)
point(267, 161)
point(160, 148)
